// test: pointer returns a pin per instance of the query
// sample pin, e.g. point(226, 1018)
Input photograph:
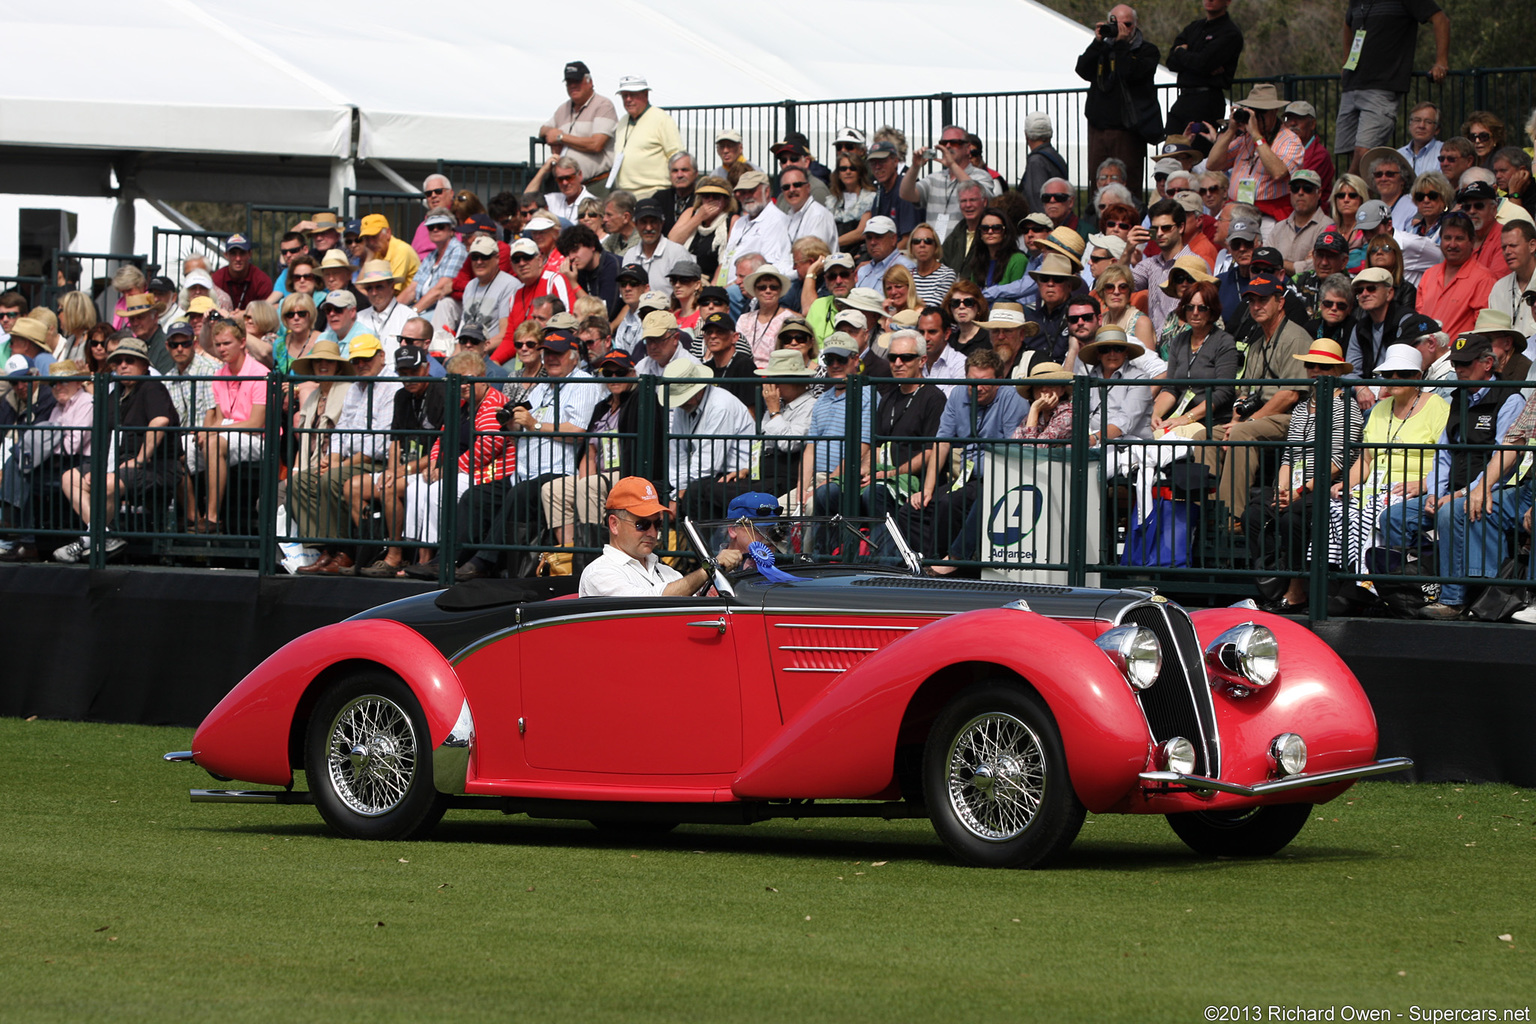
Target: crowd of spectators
point(1253, 257)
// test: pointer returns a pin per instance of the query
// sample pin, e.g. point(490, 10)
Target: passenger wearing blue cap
point(751, 514)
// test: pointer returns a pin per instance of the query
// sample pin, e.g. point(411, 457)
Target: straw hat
point(335, 259)
point(133, 305)
point(785, 362)
point(1049, 371)
point(674, 395)
point(1325, 352)
point(766, 270)
point(1068, 243)
point(1109, 336)
point(376, 272)
point(1192, 265)
point(325, 348)
point(1056, 265)
point(866, 300)
point(1008, 315)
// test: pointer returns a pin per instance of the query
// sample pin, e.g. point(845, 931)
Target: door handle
point(718, 625)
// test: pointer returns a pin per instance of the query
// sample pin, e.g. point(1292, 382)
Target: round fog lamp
point(1288, 754)
point(1177, 755)
point(1135, 652)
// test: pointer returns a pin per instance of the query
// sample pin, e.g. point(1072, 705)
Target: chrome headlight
point(1177, 755)
point(1135, 652)
point(1288, 754)
point(1244, 658)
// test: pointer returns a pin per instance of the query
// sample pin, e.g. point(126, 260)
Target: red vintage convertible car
point(1002, 711)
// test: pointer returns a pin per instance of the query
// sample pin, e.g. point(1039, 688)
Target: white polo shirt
point(615, 574)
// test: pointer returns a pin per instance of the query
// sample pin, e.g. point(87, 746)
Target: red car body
point(774, 696)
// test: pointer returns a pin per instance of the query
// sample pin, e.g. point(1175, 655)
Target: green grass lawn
point(121, 899)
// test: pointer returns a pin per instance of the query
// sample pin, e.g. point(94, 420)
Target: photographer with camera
point(1122, 110)
point(1259, 154)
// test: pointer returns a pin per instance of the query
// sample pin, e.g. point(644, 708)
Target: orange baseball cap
point(637, 495)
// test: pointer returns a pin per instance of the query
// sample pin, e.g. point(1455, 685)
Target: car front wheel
point(368, 759)
point(995, 779)
point(1251, 832)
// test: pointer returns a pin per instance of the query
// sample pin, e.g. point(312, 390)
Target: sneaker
point(1439, 611)
point(70, 553)
point(113, 545)
point(1526, 614)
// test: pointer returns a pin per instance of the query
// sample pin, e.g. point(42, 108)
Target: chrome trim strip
point(853, 650)
point(826, 625)
point(1165, 781)
point(813, 670)
point(251, 796)
point(178, 755)
point(450, 761)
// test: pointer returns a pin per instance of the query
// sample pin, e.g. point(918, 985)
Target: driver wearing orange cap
point(628, 565)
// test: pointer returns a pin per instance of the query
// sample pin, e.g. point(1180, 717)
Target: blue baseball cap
point(753, 505)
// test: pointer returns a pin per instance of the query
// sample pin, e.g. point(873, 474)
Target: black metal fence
point(1195, 511)
point(998, 118)
point(486, 179)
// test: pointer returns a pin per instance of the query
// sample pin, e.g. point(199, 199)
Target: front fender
point(1315, 696)
point(246, 736)
point(842, 743)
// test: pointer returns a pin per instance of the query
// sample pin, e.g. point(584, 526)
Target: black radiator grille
point(1169, 704)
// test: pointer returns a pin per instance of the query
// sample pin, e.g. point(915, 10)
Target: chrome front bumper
point(1163, 782)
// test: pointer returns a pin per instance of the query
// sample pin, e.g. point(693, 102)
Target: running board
point(251, 796)
point(1177, 781)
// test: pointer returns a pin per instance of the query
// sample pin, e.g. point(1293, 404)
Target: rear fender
point(247, 736)
point(842, 743)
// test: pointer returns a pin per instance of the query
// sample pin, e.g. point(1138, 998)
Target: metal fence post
point(1323, 398)
point(646, 426)
point(271, 466)
point(791, 122)
point(101, 443)
point(1077, 528)
point(852, 446)
point(946, 109)
point(448, 461)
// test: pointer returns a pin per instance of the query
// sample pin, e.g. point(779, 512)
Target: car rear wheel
point(368, 758)
point(1251, 832)
point(995, 779)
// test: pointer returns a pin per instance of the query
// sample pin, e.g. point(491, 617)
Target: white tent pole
point(389, 172)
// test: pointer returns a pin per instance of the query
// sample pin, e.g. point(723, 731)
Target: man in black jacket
point(1205, 57)
point(1122, 112)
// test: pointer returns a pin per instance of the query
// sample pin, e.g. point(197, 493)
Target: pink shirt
point(236, 398)
point(77, 412)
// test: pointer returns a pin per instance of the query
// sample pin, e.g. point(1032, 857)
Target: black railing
point(1137, 510)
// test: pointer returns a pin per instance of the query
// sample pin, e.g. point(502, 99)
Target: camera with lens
point(1109, 31)
point(505, 414)
point(1241, 115)
point(1246, 406)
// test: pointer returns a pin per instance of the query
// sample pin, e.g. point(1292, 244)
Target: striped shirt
point(1244, 154)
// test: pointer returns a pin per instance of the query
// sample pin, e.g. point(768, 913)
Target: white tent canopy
point(214, 76)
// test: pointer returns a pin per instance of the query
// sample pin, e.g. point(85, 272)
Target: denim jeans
point(1463, 548)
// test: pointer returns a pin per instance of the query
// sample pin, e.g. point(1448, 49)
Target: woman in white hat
point(1279, 525)
point(760, 327)
point(1381, 477)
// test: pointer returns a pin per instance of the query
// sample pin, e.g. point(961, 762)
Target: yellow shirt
point(646, 146)
point(403, 263)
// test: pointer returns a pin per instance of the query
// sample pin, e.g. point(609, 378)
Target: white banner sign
point(1028, 512)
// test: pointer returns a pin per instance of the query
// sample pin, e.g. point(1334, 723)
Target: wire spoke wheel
point(368, 759)
point(372, 755)
point(996, 776)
